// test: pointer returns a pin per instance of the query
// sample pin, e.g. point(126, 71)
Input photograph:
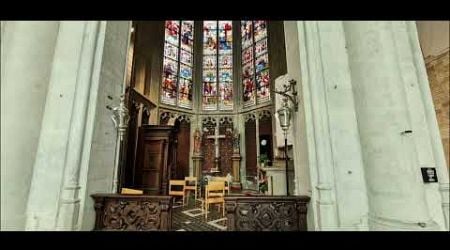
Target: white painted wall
point(433, 36)
point(26, 58)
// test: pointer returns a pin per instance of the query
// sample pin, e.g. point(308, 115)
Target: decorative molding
point(250, 117)
point(209, 119)
point(264, 113)
point(226, 119)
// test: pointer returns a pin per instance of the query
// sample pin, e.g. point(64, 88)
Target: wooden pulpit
point(156, 159)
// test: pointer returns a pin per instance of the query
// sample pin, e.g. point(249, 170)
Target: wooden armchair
point(189, 187)
point(177, 183)
point(215, 194)
point(226, 182)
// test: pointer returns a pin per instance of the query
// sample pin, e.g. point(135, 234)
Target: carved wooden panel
point(183, 147)
point(250, 148)
point(208, 147)
point(132, 212)
point(226, 148)
point(266, 213)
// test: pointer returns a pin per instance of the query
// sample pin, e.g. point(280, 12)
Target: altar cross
point(216, 137)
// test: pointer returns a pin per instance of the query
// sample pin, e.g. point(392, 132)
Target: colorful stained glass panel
point(247, 55)
point(209, 89)
point(186, 57)
point(262, 62)
point(225, 61)
point(225, 37)
point(246, 33)
point(261, 47)
point(210, 75)
point(187, 35)
point(248, 70)
point(169, 87)
point(186, 72)
point(226, 96)
point(209, 62)
point(170, 67)
point(249, 89)
point(172, 31)
point(260, 30)
point(171, 51)
point(185, 93)
point(225, 75)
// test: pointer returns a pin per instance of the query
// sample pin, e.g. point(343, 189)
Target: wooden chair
point(131, 191)
point(177, 183)
point(215, 193)
point(226, 182)
point(188, 187)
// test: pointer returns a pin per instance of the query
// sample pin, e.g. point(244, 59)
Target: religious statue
point(235, 141)
point(197, 141)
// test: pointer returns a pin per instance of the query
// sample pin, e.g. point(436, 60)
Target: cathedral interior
point(225, 125)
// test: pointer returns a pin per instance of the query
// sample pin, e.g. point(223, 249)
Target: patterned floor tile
point(193, 214)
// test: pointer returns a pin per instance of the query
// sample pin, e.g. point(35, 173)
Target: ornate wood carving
point(266, 213)
point(208, 147)
point(226, 148)
point(132, 212)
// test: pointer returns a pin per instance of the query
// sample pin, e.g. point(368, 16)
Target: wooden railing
point(132, 212)
point(266, 213)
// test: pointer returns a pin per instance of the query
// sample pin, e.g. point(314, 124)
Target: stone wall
point(438, 75)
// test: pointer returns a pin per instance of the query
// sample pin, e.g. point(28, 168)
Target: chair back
point(215, 189)
point(131, 191)
point(188, 180)
point(176, 183)
point(225, 180)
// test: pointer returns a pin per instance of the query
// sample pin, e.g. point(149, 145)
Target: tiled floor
point(191, 218)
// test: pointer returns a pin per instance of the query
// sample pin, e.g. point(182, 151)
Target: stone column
point(56, 169)
point(26, 60)
point(392, 98)
point(197, 165)
point(328, 119)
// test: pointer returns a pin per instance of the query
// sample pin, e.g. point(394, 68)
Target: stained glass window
point(255, 63)
point(217, 65)
point(178, 63)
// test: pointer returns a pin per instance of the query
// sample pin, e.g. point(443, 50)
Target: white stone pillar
point(339, 199)
point(389, 101)
point(69, 197)
point(26, 59)
point(56, 169)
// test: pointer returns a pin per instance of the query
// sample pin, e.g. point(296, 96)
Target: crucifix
point(216, 137)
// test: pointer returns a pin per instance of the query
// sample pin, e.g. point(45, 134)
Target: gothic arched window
point(255, 63)
point(217, 73)
point(178, 63)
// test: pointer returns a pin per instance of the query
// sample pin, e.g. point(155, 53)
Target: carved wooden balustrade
point(266, 213)
point(132, 212)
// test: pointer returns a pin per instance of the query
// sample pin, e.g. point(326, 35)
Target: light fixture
point(284, 117)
